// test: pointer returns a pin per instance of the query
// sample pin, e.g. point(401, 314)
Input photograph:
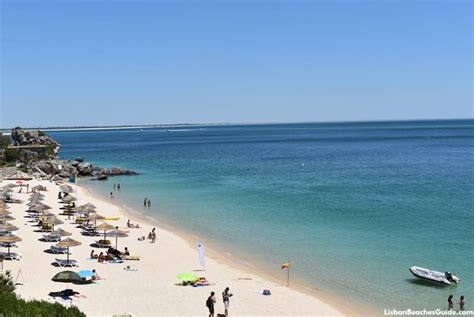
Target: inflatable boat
point(434, 276)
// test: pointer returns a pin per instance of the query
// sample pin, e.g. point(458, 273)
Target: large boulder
point(84, 169)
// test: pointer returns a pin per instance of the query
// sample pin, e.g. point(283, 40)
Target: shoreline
point(147, 287)
point(235, 260)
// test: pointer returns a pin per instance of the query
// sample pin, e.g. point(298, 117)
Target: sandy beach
point(149, 288)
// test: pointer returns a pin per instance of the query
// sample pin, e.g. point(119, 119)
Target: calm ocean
point(351, 205)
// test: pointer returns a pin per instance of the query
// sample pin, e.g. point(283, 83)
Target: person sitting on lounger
point(101, 257)
point(126, 252)
point(94, 255)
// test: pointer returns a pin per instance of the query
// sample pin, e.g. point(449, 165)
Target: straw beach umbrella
point(104, 226)
point(61, 233)
point(89, 206)
point(7, 227)
point(5, 212)
point(67, 243)
point(117, 233)
point(95, 217)
point(52, 221)
point(9, 238)
point(6, 217)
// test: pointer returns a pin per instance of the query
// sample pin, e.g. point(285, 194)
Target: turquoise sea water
point(351, 205)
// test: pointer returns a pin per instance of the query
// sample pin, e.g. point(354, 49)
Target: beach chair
point(130, 257)
point(46, 228)
point(103, 243)
point(12, 256)
point(8, 245)
point(64, 263)
point(90, 232)
point(51, 238)
point(58, 250)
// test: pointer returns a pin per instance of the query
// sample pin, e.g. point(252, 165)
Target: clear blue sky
point(70, 63)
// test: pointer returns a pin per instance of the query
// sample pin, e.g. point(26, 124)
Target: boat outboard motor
point(449, 276)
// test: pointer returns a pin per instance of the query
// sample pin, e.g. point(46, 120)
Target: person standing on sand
point(226, 295)
point(211, 300)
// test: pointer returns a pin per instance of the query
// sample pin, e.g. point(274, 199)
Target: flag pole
point(288, 275)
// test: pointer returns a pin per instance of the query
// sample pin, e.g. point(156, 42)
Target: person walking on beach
point(461, 303)
point(211, 300)
point(226, 295)
point(144, 202)
point(450, 302)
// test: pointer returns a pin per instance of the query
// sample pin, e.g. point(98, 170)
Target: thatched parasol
point(67, 243)
point(7, 227)
point(9, 238)
point(117, 233)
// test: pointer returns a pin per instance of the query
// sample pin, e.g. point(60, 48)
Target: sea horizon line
point(175, 125)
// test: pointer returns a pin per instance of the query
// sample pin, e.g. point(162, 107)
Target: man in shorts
point(226, 295)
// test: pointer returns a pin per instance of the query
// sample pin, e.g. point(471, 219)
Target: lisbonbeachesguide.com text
point(426, 312)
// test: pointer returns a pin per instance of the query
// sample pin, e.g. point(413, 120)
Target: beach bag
point(209, 302)
point(267, 292)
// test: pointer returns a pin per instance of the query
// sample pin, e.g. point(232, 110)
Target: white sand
point(150, 291)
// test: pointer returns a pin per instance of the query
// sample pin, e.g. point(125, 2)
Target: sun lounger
point(90, 232)
point(58, 250)
point(51, 237)
point(63, 263)
point(7, 245)
point(103, 243)
point(11, 256)
point(131, 257)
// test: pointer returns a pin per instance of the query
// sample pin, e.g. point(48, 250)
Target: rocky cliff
point(22, 137)
point(52, 165)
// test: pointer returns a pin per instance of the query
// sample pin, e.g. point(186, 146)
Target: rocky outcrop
point(24, 137)
point(114, 171)
point(84, 169)
point(33, 157)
